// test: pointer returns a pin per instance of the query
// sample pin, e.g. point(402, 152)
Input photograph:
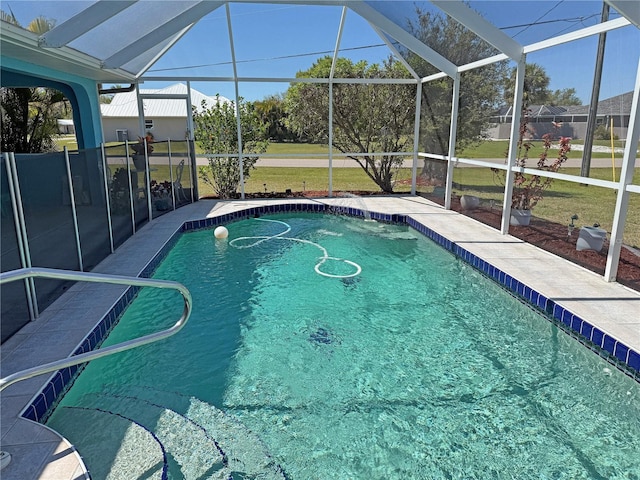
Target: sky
point(278, 40)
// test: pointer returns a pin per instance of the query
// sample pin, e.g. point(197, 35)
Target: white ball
point(221, 232)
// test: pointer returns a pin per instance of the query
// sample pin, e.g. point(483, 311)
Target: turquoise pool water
point(415, 367)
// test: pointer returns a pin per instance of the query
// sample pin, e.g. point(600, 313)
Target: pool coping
point(594, 337)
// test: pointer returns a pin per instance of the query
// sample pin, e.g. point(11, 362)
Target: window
point(148, 125)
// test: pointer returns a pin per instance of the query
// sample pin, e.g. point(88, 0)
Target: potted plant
point(528, 189)
point(161, 195)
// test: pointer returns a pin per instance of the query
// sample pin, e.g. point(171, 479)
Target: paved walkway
point(39, 453)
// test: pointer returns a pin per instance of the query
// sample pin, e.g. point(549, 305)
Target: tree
point(29, 119)
point(536, 88)
point(367, 118)
point(216, 133)
point(29, 115)
point(536, 85)
point(272, 114)
point(9, 17)
point(566, 96)
point(41, 25)
point(480, 89)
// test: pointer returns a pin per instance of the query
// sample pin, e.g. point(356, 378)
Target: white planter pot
point(469, 202)
point(591, 238)
point(520, 218)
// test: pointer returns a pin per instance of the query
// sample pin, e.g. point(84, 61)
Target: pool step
point(139, 455)
point(198, 440)
point(248, 456)
point(191, 452)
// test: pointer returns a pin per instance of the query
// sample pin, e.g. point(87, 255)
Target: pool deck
point(39, 453)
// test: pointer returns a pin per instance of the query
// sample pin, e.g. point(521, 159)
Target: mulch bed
point(552, 237)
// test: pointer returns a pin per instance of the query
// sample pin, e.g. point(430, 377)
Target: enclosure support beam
point(141, 120)
point(238, 113)
point(191, 154)
point(374, 17)
point(626, 175)
point(595, 95)
point(453, 128)
point(334, 59)
point(173, 29)
point(83, 22)
point(416, 138)
point(471, 19)
point(330, 139)
point(513, 144)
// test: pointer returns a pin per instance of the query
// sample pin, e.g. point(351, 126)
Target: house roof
point(535, 110)
point(126, 104)
point(618, 105)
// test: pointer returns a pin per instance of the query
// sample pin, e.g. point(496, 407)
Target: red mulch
point(552, 237)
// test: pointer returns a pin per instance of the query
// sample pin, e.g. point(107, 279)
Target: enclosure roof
point(114, 41)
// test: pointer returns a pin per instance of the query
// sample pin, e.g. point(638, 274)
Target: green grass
point(68, 141)
point(498, 149)
point(279, 179)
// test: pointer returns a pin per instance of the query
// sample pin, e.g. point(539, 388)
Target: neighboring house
point(166, 118)
point(65, 126)
point(572, 120)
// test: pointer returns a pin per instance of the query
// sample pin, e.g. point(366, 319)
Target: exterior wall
point(110, 125)
point(499, 131)
point(163, 128)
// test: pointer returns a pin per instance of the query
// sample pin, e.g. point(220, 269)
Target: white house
point(165, 118)
point(65, 126)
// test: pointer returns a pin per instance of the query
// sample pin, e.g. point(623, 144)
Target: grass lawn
point(498, 149)
point(68, 141)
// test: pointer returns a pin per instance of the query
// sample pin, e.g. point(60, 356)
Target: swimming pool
point(418, 367)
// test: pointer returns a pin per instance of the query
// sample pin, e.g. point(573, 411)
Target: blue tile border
point(615, 352)
point(609, 348)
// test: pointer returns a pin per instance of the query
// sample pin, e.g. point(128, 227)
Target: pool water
point(416, 367)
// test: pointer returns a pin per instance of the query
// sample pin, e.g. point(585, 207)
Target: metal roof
point(125, 104)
